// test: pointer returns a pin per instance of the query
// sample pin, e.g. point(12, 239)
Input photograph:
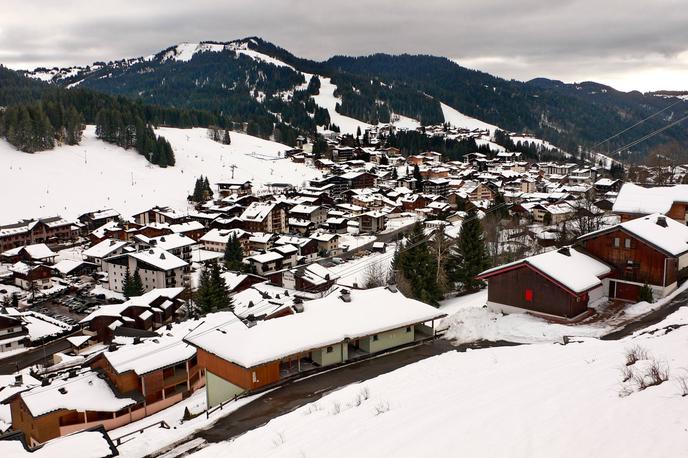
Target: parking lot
point(69, 307)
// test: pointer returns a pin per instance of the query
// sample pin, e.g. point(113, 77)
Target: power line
point(635, 125)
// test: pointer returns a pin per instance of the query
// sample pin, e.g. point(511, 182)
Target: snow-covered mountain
point(254, 81)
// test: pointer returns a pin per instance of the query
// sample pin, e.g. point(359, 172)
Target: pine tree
point(136, 284)
point(416, 268)
point(197, 195)
point(219, 293)
point(203, 295)
point(469, 256)
point(207, 188)
point(127, 284)
point(233, 254)
point(417, 175)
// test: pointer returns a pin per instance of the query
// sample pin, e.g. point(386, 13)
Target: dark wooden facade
point(524, 287)
point(633, 259)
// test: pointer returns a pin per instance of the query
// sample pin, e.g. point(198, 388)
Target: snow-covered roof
point(86, 391)
point(257, 211)
point(636, 199)
point(104, 248)
point(163, 260)
point(145, 300)
point(150, 355)
point(78, 341)
point(222, 235)
point(90, 444)
point(323, 322)
point(656, 229)
point(576, 271)
point(172, 241)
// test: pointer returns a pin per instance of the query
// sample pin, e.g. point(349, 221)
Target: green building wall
point(339, 353)
point(219, 390)
point(387, 340)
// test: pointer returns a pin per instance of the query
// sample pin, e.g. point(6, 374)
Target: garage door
point(627, 291)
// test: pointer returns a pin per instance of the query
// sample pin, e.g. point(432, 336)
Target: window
point(617, 242)
point(375, 338)
point(627, 243)
point(408, 328)
point(528, 295)
point(330, 349)
point(254, 377)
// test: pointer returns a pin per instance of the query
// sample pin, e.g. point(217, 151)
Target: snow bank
point(527, 401)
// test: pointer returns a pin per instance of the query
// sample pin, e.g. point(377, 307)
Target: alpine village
point(175, 278)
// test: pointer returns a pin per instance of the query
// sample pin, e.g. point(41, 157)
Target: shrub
point(646, 294)
point(635, 354)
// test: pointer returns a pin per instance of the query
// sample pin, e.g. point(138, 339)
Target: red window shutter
point(529, 295)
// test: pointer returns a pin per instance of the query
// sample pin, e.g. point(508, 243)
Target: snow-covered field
point(458, 119)
point(327, 100)
point(540, 400)
point(70, 180)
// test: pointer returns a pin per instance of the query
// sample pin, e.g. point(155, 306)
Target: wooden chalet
point(559, 283)
point(650, 250)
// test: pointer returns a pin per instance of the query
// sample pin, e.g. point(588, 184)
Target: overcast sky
point(630, 44)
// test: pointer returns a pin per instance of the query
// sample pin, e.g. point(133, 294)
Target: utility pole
point(233, 167)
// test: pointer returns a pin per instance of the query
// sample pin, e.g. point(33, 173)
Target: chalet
point(371, 222)
point(314, 213)
point(216, 239)
point(158, 215)
point(327, 241)
point(177, 244)
point(146, 313)
point(191, 229)
point(341, 327)
point(634, 201)
point(30, 232)
point(437, 186)
point(122, 385)
point(265, 217)
point(265, 263)
point(29, 277)
point(237, 282)
point(111, 230)
point(13, 332)
point(313, 278)
point(650, 250)
point(336, 225)
point(234, 188)
point(39, 252)
point(157, 268)
point(605, 185)
point(552, 213)
point(301, 226)
point(104, 249)
point(95, 219)
point(72, 402)
point(307, 247)
point(561, 283)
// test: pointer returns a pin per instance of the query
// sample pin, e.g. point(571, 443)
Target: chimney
point(18, 380)
point(162, 239)
point(162, 255)
point(565, 251)
point(661, 221)
point(345, 295)
point(62, 390)
point(392, 288)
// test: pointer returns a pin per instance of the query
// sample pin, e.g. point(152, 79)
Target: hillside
point(254, 81)
point(112, 177)
point(523, 401)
